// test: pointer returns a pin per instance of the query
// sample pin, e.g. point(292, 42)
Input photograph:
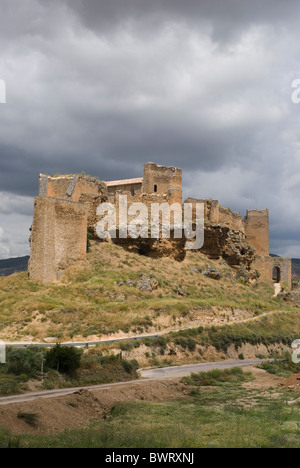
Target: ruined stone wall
point(70, 187)
point(257, 230)
point(215, 214)
point(265, 265)
point(59, 236)
point(171, 247)
point(92, 202)
point(146, 199)
point(54, 187)
point(285, 266)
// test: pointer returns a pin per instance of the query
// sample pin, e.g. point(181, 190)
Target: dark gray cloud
point(226, 18)
point(105, 86)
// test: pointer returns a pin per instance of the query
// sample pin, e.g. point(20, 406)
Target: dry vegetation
point(87, 304)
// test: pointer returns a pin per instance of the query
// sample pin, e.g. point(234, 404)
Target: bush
point(127, 345)
point(110, 359)
point(130, 366)
point(64, 359)
point(186, 343)
point(26, 361)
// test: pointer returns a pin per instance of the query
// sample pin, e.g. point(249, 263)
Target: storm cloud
point(103, 86)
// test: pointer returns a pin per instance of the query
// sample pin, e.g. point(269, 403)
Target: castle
point(66, 210)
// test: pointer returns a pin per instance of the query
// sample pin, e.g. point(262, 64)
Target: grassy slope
point(87, 303)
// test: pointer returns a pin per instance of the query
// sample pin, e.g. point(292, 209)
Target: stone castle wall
point(58, 237)
point(66, 210)
point(265, 266)
point(214, 213)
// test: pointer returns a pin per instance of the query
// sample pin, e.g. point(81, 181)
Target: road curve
point(147, 375)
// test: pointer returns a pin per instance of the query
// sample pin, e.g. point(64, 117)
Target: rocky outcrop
point(155, 248)
point(147, 284)
point(292, 297)
point(212, 273)
point(223, 242)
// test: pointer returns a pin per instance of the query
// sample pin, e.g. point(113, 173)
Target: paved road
point(147, 376)
point(82, 344)
point(182, 371)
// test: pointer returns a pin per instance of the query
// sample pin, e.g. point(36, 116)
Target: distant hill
point(296, 268)
point(13, 265)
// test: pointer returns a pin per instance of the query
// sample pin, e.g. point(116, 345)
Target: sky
point(104, 86)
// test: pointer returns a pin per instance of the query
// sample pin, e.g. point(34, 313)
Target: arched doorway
point(276, 274)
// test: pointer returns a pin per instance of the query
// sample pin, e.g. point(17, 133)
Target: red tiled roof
point(114, 183)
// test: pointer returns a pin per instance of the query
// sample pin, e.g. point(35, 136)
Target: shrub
point(186, 343)
point(217, 377)
point(130, 366)
point(24, 361)
point(126, 346)
point(108, 360)
point(283, 366)
point(29, 418)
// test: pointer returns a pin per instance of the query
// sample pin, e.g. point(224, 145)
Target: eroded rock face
point(223, 242)
point(155, 248)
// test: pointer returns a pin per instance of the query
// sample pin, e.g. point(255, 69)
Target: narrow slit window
point(155, 188)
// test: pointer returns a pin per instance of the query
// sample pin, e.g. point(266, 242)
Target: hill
point(117, 293)
point(13, 265)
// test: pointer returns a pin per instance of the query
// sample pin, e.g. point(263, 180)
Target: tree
point(64, 359)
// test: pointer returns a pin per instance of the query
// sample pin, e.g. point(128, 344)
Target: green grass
point(218, 377)
point(224, 416)
point(87, 303)
point(283, 367)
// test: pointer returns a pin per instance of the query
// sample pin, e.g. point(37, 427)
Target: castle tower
point(257, 230)
point(163, 181)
